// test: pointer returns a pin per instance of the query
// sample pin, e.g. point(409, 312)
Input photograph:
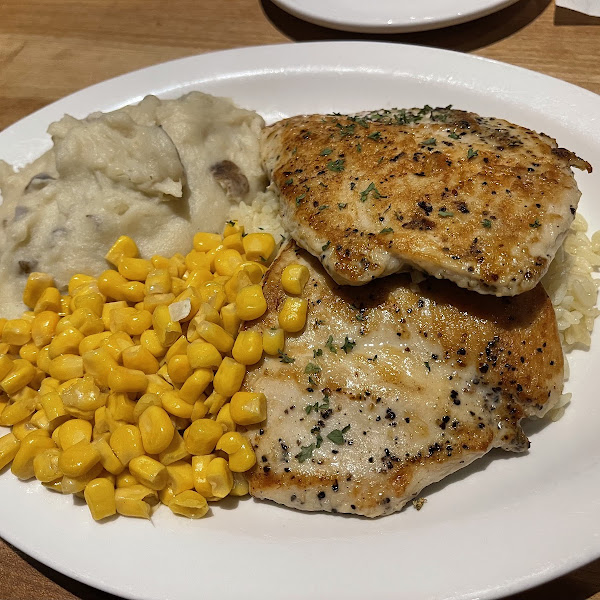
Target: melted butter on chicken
point(393, 386)
point(476, 200)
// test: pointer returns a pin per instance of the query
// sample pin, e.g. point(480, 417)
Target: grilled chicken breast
point(393, 386)
point(479, 201)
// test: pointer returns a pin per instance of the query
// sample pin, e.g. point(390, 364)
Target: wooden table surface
point(50, 48)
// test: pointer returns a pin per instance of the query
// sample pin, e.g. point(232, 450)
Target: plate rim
point(41, 114)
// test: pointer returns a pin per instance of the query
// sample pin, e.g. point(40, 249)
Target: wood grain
point(50, 48)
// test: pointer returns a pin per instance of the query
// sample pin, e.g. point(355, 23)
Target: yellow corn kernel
point(229, 376)
point(231, 320)
point(195, 261)
point(108, 308)
point(158, 281)
point(45, 465)
point(177, 264)
point(31, 445)
point(203, 242)
point(186, 305)
point(65, 306)
point(177, 348)
point(137, 357)
point(293, 278)
point(81, 397)
point(6, 365)
point(292, 316)
point(49, 384)
point(43, 359)
point(219, 477)
point(248, 347)
point(259, 246)
point(16, 332)
point(125, 479)
point(78, 459)
point(189, 504)
point(135, 269)
point(215, 402)
point(167, 330)
point(254, 270)
point(79, 280)
point(179, 368)
point(161, 262)
point(93, 342)
point(202, 436)
point(215, 335)
point(20, 375)
point(92, 301)
point(240, 485)
point(130, 320)
point(50, 300)
point(205, 313)
point(231, 228)
point(74, 431)
point(149, 472)
point(108, 458)
point(248, 408)
point(178, 285)
point(124, 247)
point(198, 276)
point(199, 468)
point(35, 286)
point(175, 405)
point(157, 385)
point(239, 449)
point(101, 423)
point(201, 354)
point(66, 342)
point(238, 281)
point(195, 385)
point(226, 261)
point(112, 285)
point(134, 291)
point(86, 321)
point(156, 429)
point(121, 407)
point(116, 343)
point(23, 428)
point(99, 495)
point(29, 352)
point(121, 379)
point(99, 364)
point(233, 241)
point(250, 303)
point(135, 501)
point(176, 451)
point(149, 340)
point(9, 446)
point(39, 420)
point(199, 409)
point(224, 419)
point(151, 301)
point(53, 407)
point(66, 366)
point(76, 485)
point(126, 442)
point(145, 401)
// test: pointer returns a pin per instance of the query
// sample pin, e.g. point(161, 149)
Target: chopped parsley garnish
point(284, 358)
point(445, 213)
point(288, 181)
point(336, 165)
point(312, 368)
point(536, 223)
point(342, 205)
point(429, 142)
point(317, 353)
point(360, 317)
point(300, 198)
point(472, 153)
point(330, 346)
point(231, 223)
point(368, 190)
point(325, 246)
point(348, 345)
point(326, 151)
point(318, 407)
point(486, 223)
point(427, 366)
point(454, 136)
point(337, 435)
point(376, 135)
point(323, 207)
point(387, 230)
point(358, 147)
point(346, 130)
point(305, 453)
point(360, 120)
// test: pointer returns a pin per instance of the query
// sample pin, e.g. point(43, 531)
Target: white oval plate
point(513, 522)
point(390, 16)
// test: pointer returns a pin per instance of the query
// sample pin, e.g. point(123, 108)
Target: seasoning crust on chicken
point(393, 386)
point(476, 200)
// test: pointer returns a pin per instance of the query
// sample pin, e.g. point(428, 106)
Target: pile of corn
point(125, 391)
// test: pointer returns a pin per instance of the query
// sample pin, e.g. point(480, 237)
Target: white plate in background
point(390, 16)
point(506, 523)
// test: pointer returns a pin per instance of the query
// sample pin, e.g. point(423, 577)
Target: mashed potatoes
point(158, 171)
